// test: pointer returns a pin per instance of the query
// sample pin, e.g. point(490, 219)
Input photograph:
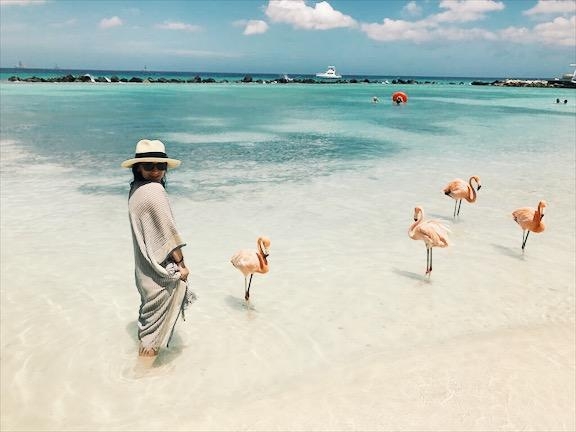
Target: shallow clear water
point(329, 176)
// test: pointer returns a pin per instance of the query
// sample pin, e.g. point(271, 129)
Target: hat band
point(151, 154)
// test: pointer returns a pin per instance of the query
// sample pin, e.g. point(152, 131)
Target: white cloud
point(320, 17)
point(422, 31)
point(466, 10)
point(429, 28)
point(106, 23)
point(561, 31)
point(391, 30)
point(171, 25)
point(517, 35)
point(459, 34)
point(255, 27)
point(553, 7)
point(21, 2)
point(445, 25)
point(412, 9)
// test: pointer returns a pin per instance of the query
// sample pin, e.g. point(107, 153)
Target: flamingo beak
point(479, 186)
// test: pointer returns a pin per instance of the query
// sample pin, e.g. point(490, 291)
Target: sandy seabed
point(516, 380)
point(344, 334)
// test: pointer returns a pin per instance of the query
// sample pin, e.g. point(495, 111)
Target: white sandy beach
point(344, 333)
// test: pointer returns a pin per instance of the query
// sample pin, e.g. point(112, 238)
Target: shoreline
point(248, 79)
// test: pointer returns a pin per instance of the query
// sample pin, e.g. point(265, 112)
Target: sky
point(451, 38)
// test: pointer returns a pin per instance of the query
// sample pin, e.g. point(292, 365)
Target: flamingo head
point(418, 213)
point(264, 243)
point(541, 205)
point(477, 180)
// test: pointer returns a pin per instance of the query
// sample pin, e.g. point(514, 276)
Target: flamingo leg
point(459, 205)
point(455, 205)
point(524, 239)
point(427, 261)
point(247, 292)
point(430, 267)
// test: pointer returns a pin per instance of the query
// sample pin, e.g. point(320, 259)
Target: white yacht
point(330, 73)
point(566, 80)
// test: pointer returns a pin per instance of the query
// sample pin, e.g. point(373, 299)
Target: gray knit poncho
point(155, 236)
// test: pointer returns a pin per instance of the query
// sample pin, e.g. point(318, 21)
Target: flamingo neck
point(471, 191)
point(537, 215)
point(263, 261)
point(414, 225)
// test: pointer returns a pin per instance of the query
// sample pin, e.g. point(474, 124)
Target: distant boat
point(566, 80)
point(330, 73)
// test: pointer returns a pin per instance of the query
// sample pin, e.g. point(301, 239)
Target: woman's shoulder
point(151, 189)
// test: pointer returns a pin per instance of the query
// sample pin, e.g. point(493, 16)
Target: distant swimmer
point(374, 99)
point(565, 101)
point(557, 100)
point(399, 97)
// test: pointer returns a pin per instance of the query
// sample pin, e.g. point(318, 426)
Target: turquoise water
point(291, 132)
point(332, 179)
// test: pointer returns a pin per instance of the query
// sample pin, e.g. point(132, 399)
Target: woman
point(160, 270)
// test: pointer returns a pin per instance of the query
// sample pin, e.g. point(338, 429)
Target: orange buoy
point(399, 97)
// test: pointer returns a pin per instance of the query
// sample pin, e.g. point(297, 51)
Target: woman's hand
point(184, 272)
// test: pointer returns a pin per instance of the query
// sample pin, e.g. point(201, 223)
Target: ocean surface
point(345, 312)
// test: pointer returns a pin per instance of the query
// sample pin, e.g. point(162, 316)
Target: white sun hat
point(150, 151)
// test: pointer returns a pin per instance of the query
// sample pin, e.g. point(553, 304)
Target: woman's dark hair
point(138, 177)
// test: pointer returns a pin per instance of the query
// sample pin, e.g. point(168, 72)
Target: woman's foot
point(147, 352)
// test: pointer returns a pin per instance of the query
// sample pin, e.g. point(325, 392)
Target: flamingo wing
point(523, 216)
point(434, 233)
point(246, 261)
point(457, 188)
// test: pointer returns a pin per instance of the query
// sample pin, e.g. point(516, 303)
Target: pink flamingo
point(530, 219)
point(459, 189)
point(432, 232)
point(251, 261)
